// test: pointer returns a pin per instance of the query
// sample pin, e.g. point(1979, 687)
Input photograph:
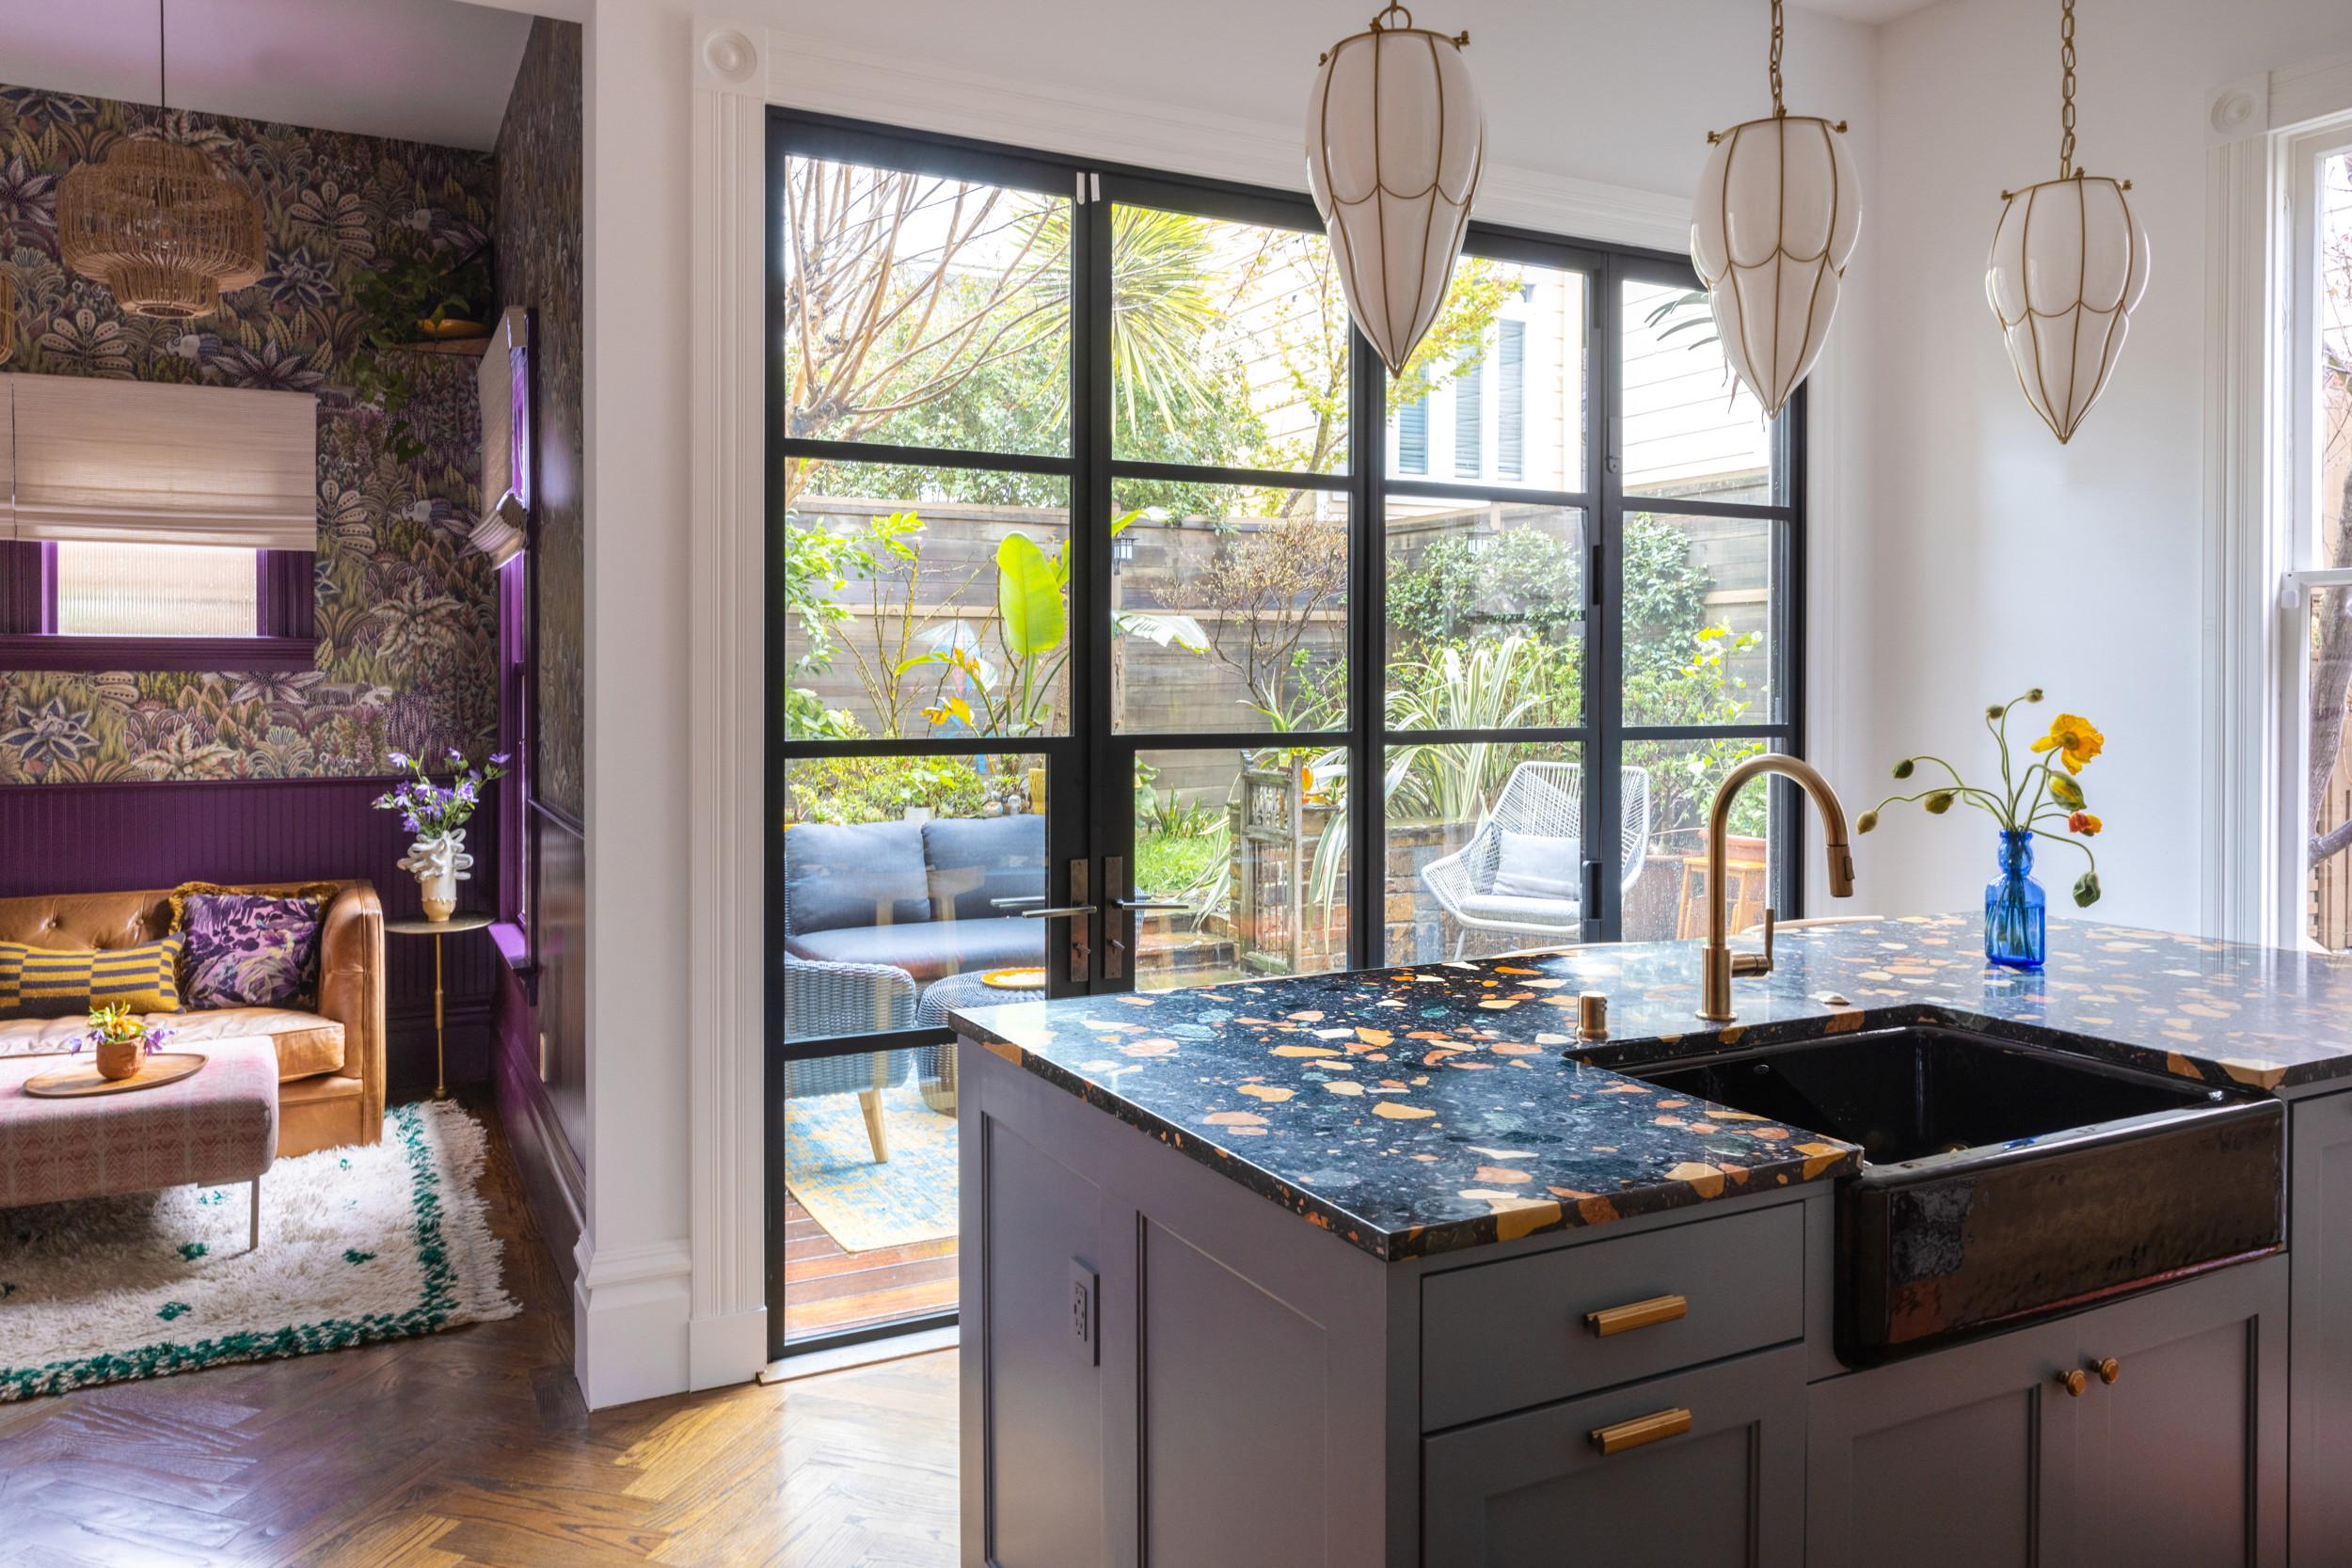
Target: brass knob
point(2108, 1370)
point(2074, 1382)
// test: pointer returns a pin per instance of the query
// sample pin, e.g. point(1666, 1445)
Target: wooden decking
point(827, 1289)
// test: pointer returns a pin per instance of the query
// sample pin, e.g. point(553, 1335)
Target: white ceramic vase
point(439, 862)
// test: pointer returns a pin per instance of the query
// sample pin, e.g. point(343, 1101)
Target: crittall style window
point(1132, 627)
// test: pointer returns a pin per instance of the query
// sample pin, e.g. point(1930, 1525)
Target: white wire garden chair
point(1539, 864)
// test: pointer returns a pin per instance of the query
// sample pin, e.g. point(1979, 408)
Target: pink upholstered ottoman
point(215, 1126)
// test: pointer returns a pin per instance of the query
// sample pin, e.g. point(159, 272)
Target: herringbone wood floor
point(474, 1447)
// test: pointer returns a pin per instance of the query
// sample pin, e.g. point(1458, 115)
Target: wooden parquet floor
point(473, 1447)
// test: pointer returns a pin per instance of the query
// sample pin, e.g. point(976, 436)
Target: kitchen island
point(1372, 1268)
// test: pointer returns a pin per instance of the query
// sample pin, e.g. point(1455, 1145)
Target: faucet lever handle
point(1757, 963)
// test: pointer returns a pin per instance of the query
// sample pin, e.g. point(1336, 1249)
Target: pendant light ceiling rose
point(1395, 145)
point(159, 226)
point(1778, 212)
point(2068, 265)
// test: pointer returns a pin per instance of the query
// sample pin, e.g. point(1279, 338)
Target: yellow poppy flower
point(2074, 740)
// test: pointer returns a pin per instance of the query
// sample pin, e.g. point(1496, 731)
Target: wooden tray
point(81, 1079)
point(1015, 979)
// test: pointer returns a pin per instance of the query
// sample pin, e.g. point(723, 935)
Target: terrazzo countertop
point(1428, 1109)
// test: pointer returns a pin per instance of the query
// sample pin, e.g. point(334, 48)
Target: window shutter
point(157, 462)
point(1510, 399)
point(504, 386)
point(1470, 420)
point(1412, 438)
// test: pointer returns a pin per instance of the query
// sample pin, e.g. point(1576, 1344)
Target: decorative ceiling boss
point(1395, 140)
point(1778, 212)
point(157, 224)
point(2070, 262)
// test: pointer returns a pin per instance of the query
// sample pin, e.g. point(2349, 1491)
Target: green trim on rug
point(440, 1300)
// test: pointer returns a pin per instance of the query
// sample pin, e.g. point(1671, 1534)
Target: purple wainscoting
point(106, 838)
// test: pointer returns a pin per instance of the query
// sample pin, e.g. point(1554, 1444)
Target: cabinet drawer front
point(1505, 1336)
point(1721, 1484)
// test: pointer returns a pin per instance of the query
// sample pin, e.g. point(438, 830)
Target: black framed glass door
point(1132, 627)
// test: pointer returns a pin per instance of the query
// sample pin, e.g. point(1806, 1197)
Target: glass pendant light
point(158, 224)
point(2070, 262)
point(1395, 140)
point(1778, 212)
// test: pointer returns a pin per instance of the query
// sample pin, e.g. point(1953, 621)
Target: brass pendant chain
point(1780, 112)
point(2066, 113)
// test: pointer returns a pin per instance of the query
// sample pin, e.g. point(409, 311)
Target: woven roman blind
point(156, 463)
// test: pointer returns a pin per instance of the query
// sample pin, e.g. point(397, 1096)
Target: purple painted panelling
point(108, 838)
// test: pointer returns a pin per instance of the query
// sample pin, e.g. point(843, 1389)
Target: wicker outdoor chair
point(1539, 864)
point(822, 999)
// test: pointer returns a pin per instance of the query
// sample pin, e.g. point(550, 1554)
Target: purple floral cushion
point(244, 950)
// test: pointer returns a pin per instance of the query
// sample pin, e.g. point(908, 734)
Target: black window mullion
point(1604, 642)
point(921, 457)
point(1367, 664)
point(1095, 818)
point(1786, 821)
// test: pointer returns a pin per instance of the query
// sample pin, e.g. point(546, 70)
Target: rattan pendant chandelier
point(1778, 212)
point(158, 224)
point(1395, 140)
point(2070, 262)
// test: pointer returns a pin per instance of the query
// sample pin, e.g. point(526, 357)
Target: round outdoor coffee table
point(436, 930)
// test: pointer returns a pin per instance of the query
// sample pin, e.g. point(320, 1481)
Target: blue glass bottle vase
point(2016, 918)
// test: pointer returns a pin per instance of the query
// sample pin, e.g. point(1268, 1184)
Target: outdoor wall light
point(2069, 264)
point(1778, 212)
point(1395, 140)
point(1122, 552)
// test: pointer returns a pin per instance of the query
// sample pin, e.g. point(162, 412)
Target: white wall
point(1590, 89)
point(2002, 559)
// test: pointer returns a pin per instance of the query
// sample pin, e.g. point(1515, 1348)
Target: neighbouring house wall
point(542, 1069)
point(407, 615)
point(2004, 559)
point(1601, 91)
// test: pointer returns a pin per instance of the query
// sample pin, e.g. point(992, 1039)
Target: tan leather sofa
point(330, 1062)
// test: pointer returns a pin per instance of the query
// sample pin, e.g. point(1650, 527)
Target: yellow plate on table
point(1015, 979)
point(82, 1078)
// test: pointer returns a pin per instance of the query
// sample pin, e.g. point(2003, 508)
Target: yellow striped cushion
point(42, 982)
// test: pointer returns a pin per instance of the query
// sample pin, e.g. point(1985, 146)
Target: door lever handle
point(1144, 904)
point(1056, 914)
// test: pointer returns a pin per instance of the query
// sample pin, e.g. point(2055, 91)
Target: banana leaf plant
point(1017, 697)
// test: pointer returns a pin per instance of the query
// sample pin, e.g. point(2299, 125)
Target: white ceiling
point(1872, 11)
point(430, 70)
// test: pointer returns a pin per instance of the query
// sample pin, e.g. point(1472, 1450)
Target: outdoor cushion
point(928, 949)
point(1537, 865)
point(1521, 911)
point(248, 950)
point(837, 876)
point(1008, 851)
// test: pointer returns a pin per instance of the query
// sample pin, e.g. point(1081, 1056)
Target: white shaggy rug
point(357, 1244)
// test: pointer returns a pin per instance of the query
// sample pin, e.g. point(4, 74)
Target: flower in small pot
point(2042, 799)
point(438, 814)
point(119, 1041)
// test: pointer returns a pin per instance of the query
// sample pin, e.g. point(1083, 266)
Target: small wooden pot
point(118, 1059)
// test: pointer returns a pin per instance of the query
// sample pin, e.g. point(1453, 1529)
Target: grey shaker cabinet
point(1535, 1488)
point(2320, 1517)
point(1977, 1456)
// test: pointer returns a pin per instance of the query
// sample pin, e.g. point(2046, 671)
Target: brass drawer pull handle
point(1640, 1430)
point(2072, 1380)
point(2108, 1370)
point(1636, 1314)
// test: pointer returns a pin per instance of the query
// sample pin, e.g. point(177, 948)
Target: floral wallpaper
point(406, 613)
point(538, 267)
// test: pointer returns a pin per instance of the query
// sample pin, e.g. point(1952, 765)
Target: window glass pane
point(1230, 609)
point(1253, 848)
point(924, 602)
point(922, 311)
point(1690, 428)
point(1698, 620)
point(2332, 531)
point(1496, 392)
point(1229, 344)
point(1485, 849)
point(1668, 900)
point(2328, 879)
point(157, 591)
point(1486, 614)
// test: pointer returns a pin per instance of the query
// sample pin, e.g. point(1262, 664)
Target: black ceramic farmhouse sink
point(2002, 1181)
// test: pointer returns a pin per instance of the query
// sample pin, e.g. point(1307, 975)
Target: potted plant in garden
point(438, 814)
point(2015, 917)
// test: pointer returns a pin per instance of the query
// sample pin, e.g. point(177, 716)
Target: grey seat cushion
point(1007, 854)
point(844, 876)
point(1537, 865)
point(928, 949)
point(1546, 913)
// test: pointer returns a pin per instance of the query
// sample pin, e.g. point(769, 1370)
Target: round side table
point(436, 930)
